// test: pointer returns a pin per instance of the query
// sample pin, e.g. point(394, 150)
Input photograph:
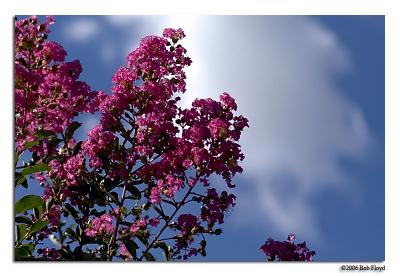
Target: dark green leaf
point(149, 257)
point(136, 194)
point(77, 148)
point(28, 202)
point(16, 158)
point(131, 246)
point(20, 180)
point(79, 230)
point(166, 249)
point(218, 231)
point(124, 211)
point(53, 142)
point(21, 232)
point(136, 211)
point(41, 134)
point(36, 168)
point(96, 213)
point(72, 211)
point(142, 237)
point(129, 224)
point(37, 226)
point(78, 253)
point(27, 44)
point(72, 234)
point(71, 129)
point(49, 203)
point(23, 219)
point(37, 212)
point(115, 195)
point(67, 254)
point(24, 183)
point(21, 252)
point(28, 145)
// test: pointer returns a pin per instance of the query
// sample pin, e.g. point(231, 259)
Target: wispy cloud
point(81, 29)
point(282, 72)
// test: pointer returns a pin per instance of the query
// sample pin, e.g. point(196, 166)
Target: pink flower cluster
point(102, 225)
point(70, 170)
point(287, 250)
point(186, 222)
point(99, 146)
point(123, 251)
point(51, 253)
point(53, 215)
point(139, 224)
point(215, 205)
point(48, 94)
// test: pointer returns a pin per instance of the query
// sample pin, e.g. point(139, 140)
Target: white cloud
point(282, 72)
point(81, 29)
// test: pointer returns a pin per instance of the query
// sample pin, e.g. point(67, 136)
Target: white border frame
point(274, 7)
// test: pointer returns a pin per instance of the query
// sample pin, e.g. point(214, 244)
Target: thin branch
point(180, 204)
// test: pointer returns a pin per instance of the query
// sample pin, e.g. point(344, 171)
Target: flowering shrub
point(123, 193)
point(287, 250)
point(139, 186)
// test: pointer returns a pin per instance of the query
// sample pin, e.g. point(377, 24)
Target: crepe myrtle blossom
point(287, 250)
point(139, 224)
point(214, 206)
point(102, 225)
point(49, 253)
point(48, 92)
point(140, 183)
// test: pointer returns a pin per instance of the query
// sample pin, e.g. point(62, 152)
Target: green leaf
point(69, 132)
point(28, 145)
point(136, 194)
point(36, 168)
point(131, 246)
point(49, 203)
point(20, 180)
point(142, 237)
point(37, 226)
point(28, 202)
point(21, 232)
point(21, 252)
point(136, 211)
point(23, 219)
point(41, 134)
point(72, 234)
point(72, 211)
point(166, 249)
point(149, 257)
point(16, 158)
point(124, 211)
point(77, 148)
point(53, 142)
point(37, 212)
point(27, 44)
point(159, 211)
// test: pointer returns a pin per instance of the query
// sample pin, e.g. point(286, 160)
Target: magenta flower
point(140, 224)
point(287, 250)
point(102, 225)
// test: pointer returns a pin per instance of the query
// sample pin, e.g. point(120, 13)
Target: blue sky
point(313, 89)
